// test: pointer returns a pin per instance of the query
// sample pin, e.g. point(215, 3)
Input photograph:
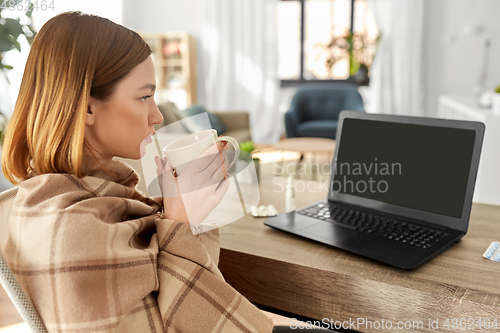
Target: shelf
point(174, 58)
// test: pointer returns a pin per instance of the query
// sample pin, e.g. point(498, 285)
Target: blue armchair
point(315, 109)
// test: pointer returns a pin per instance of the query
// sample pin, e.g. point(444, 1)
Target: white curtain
point(239, 62)
point(397, 74)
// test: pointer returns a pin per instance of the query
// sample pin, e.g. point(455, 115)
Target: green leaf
point(13, 27)
point(33, 34)
point(17, 45)
point(29, 12)
point(6, 44)
point(247, 146)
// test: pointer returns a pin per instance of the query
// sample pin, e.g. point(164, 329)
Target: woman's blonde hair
point(73, 56)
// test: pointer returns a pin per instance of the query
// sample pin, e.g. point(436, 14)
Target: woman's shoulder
point(115, 181)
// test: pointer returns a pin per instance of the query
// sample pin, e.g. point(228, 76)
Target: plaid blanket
point(95, 255)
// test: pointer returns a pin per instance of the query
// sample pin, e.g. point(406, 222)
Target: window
point(324, 40)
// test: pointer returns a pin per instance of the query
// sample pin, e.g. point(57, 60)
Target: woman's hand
point(191, 196)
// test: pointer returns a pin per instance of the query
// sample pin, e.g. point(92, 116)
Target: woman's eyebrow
point(148, 86)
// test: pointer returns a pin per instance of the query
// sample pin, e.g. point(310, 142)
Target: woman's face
point(122, 125)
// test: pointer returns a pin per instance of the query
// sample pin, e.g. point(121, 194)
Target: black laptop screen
point(414, 166)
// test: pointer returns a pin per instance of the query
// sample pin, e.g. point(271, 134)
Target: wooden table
point(306, 145)
point(295, 275)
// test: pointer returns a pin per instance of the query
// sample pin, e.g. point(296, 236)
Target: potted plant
point(357, 48)
point(495, 103)
point(10, 30)
point(3, 123)
point(246, 149)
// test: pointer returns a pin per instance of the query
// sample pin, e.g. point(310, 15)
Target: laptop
point(400, 188)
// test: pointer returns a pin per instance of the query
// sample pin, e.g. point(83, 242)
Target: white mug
point(184, 150)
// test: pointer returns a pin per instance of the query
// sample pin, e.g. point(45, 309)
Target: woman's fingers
point(162, 165)
point(159, 165)
point(210, 151)
point(222, 170)
point(216, 164)
point(214, 149)
point(208, 161)
point(159, 172)
point(202, 161)
point(220, 191)
point(221, 145)
point(166, 178)
point(223, 187)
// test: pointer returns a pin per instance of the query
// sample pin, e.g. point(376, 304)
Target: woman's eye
point(145, 98)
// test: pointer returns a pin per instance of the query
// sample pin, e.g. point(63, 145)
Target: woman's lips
point(149, 138)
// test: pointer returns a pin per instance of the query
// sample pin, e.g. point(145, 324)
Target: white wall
point(110, 9)
point(453, 58)
point(167, 15)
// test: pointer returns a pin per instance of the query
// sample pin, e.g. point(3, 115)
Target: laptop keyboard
point(399, 231)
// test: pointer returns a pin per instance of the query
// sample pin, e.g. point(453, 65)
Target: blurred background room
point(432, 58)
point(245, 61)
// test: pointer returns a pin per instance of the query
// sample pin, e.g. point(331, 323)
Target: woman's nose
point(157, 117)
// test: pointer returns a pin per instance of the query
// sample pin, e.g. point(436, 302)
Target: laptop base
point(387, 251)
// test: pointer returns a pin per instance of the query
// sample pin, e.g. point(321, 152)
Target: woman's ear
point(91, 108)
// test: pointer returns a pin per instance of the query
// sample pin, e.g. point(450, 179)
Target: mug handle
point(236, 147)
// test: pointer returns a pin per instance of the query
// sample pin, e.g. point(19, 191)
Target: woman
point(91, 252)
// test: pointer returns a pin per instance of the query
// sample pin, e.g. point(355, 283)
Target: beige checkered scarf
point(95, 255)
